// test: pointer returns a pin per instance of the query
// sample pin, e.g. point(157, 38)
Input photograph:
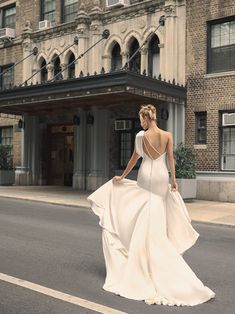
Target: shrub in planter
point(6, 161)
point(185, 170)
point(7, 173)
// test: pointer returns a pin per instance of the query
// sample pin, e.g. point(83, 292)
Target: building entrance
point(60, 159)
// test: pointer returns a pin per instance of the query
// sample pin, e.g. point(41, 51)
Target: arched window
point(57, 67)
point(154, 57)
point(43, 71)
point(116, 61)
point(71, 68)
point(134, 64)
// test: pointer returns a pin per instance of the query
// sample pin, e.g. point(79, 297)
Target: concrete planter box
point(187, 188)
point(7, 177)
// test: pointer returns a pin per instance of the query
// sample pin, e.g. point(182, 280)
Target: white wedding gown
point(146, 229)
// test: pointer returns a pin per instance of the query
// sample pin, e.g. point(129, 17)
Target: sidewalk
point(219, 213)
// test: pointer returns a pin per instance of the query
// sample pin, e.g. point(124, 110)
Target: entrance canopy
point(101, 90)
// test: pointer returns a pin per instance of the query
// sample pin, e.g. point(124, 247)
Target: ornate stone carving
point(123, 27)
point(50, 67)
point(169, 9)
point(141, 23)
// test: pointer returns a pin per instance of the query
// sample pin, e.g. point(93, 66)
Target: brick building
point(210, 76)
point(78, 126)
point(9, 132)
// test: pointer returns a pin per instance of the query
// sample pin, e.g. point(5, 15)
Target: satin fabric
point(146, 229)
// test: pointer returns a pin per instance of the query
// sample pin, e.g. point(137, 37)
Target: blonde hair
point(148, 111)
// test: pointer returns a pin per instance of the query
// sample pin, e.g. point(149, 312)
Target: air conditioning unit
point(228, 119)
point(122, 125)
point(7, 33)
point(117, 3)
point(44, 24)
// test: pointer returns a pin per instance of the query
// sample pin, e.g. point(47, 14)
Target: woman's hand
point(117, 178)
point(174, 185)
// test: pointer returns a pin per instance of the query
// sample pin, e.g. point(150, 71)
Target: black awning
point(101, 90)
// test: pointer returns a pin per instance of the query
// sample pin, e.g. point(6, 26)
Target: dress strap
point(155, 149)
point(150, 155)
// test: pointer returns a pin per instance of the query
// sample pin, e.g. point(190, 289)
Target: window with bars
point(221, 45)
point(7, 77)
point(126, 144)
point(6, 135)
point(8, 17)
point(69, 10)
point(48, 10)
point(201, 127)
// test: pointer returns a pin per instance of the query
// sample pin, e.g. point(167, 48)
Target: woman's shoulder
point(166, 133)
point(140, 133)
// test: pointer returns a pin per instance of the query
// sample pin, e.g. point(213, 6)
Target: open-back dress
point(146, 229)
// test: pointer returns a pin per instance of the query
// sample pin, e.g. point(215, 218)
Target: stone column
point(83, 21)
point(64, 69)
point(98, 150)
point(28, 173)
point(23, 175)
point(124, 55)
point(144, 60)
point(50, 71)
point(170, 41)
point(176, 122)
point(96, 32)
point(80, 156)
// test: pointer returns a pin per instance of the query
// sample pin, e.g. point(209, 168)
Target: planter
point(187, 188)
point(7, 177)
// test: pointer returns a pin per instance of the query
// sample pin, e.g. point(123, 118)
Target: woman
point(146, 227)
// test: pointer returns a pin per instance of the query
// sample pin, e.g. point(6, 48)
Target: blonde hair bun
point(148, 111)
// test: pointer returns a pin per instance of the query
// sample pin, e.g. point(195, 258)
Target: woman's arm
point(129, 167)
point(170, 154)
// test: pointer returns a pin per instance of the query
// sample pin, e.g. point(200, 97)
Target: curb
point(206, 223)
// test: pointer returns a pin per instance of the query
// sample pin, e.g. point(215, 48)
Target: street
point(60, 248)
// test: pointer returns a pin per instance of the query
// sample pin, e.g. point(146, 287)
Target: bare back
point(155, 143)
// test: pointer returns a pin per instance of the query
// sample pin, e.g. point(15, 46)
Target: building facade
point(210, 110)
point(76, 94)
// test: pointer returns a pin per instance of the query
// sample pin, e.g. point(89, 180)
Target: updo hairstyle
point(148, 111)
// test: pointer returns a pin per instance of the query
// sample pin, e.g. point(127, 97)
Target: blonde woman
point(146, 227)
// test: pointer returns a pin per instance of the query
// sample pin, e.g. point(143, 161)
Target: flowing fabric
point(146, 229)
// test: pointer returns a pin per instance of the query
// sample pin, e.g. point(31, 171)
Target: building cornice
point(106, 17)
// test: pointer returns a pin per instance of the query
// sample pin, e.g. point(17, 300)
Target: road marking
point(60, 295)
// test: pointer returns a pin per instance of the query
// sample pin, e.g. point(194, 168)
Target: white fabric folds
point(146, 229)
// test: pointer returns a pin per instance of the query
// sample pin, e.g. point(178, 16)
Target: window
point(126, 144)
point(48, 10)
point(135, 62)
point(7, 77)
point(69, 10)
point(57, 67)
point(6, 135)
point(200, 123)
point(116, 60)
point(8, 17)
point(228, 148)
point(221, 46)
point(44, 73)
point(71, 67)
point(154, 57)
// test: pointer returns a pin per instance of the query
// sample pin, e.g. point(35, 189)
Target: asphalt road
point(60, 248)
